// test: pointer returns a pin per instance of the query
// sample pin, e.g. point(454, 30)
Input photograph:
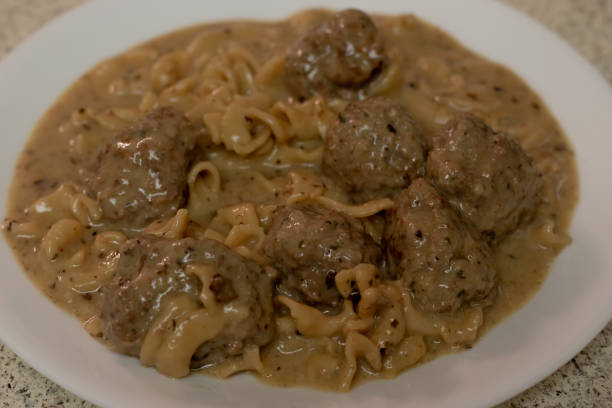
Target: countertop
point(585, 381)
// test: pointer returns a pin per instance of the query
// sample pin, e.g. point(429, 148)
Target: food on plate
point(321, 201)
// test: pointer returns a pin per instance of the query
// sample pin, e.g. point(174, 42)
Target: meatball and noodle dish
point(320, 201)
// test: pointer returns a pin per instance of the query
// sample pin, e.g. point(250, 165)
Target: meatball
point(152, 270)
point(485, 175)
point(374, 149)
point(344, 52)
point(309, 245)
point(433, 252)
point(141, 175)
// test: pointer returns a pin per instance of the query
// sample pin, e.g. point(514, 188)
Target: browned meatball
point(485, 175)
point(309, 245)
point(141, 175)
point(434, 253)
point(374, 149)
point(344, 52)
point(152, 270)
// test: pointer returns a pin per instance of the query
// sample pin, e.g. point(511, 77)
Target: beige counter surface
point(585, 381)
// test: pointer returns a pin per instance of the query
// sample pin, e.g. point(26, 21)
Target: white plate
point(573, 305)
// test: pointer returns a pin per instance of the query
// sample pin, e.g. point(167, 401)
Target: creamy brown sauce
point(434, 77)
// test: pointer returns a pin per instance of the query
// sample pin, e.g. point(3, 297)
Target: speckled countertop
point(585, 381)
